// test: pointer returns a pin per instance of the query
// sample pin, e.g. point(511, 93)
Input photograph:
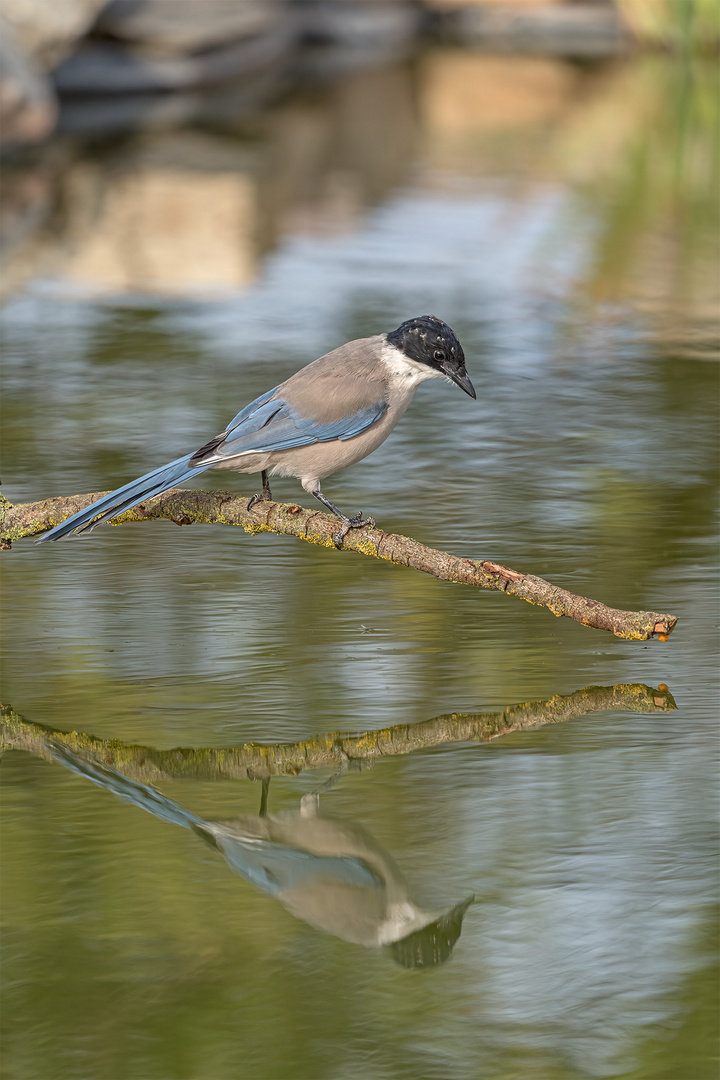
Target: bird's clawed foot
point(357, 522)
point(264, 496)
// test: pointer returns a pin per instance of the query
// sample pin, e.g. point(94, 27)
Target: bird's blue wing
point(271, 423)
point(276, 869)
point(249, 410)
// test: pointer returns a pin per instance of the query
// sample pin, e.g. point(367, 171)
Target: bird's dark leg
point(264, 796)
point(265, 496)
point(357, 522)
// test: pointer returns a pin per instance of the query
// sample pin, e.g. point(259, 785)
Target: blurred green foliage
point(647, 159)
point(674, 24)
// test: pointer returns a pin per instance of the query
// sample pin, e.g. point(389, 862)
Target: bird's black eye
point(438, 355)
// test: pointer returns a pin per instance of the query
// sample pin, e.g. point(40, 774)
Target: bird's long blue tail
point(142, 795)
point(153, 483)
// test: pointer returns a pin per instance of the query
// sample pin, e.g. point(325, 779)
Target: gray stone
point(47, 30)
point(342, 37)
point(99, 67)
point(575, 30)
point(187, 26)
point(229, 105)
point(359, 23)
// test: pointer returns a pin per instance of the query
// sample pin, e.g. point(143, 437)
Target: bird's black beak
point(462, 380)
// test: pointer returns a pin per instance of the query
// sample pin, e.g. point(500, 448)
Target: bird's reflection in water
point(334, 875)
point(330, 873)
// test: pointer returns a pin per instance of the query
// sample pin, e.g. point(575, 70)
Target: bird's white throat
point(403, 370)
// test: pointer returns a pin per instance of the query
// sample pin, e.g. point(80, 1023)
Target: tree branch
point(223, 508)
point(256, 760)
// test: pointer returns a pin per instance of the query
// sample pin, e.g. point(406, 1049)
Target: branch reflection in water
point(328, 872)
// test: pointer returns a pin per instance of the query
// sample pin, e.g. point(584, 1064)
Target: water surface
point(590, 458)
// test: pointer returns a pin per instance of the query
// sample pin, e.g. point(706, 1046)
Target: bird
point(328, 872)
point(327, 416)
point(336, 877)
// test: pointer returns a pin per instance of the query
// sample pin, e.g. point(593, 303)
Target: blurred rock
point(166, 214)
point(334, 157)
point(47, 30)
point(34, 36)
point(230, 106)
point(484, 114)
point(580, 29)
point(342, 37)
point(465, 93)
point(28, 110)
point(449, 5)
point(163, 63)
point(188, 26)
point(168, 228)
point(193, 213)
point(358, 23)
point(155, 63)
point(99, 67)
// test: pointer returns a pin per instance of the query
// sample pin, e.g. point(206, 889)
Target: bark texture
point(223, 508)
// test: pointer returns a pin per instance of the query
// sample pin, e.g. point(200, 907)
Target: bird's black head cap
point(433, 944)
point(430, 341)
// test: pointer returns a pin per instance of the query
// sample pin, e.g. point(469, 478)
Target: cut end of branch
point(664, 627)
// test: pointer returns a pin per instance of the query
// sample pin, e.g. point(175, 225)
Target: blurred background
point(201, 196)
point(168, 148)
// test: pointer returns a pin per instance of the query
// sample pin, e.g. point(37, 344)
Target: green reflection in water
point(658, 216)
point(171, 967)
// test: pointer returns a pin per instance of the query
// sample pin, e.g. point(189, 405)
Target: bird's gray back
point(341, 383)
